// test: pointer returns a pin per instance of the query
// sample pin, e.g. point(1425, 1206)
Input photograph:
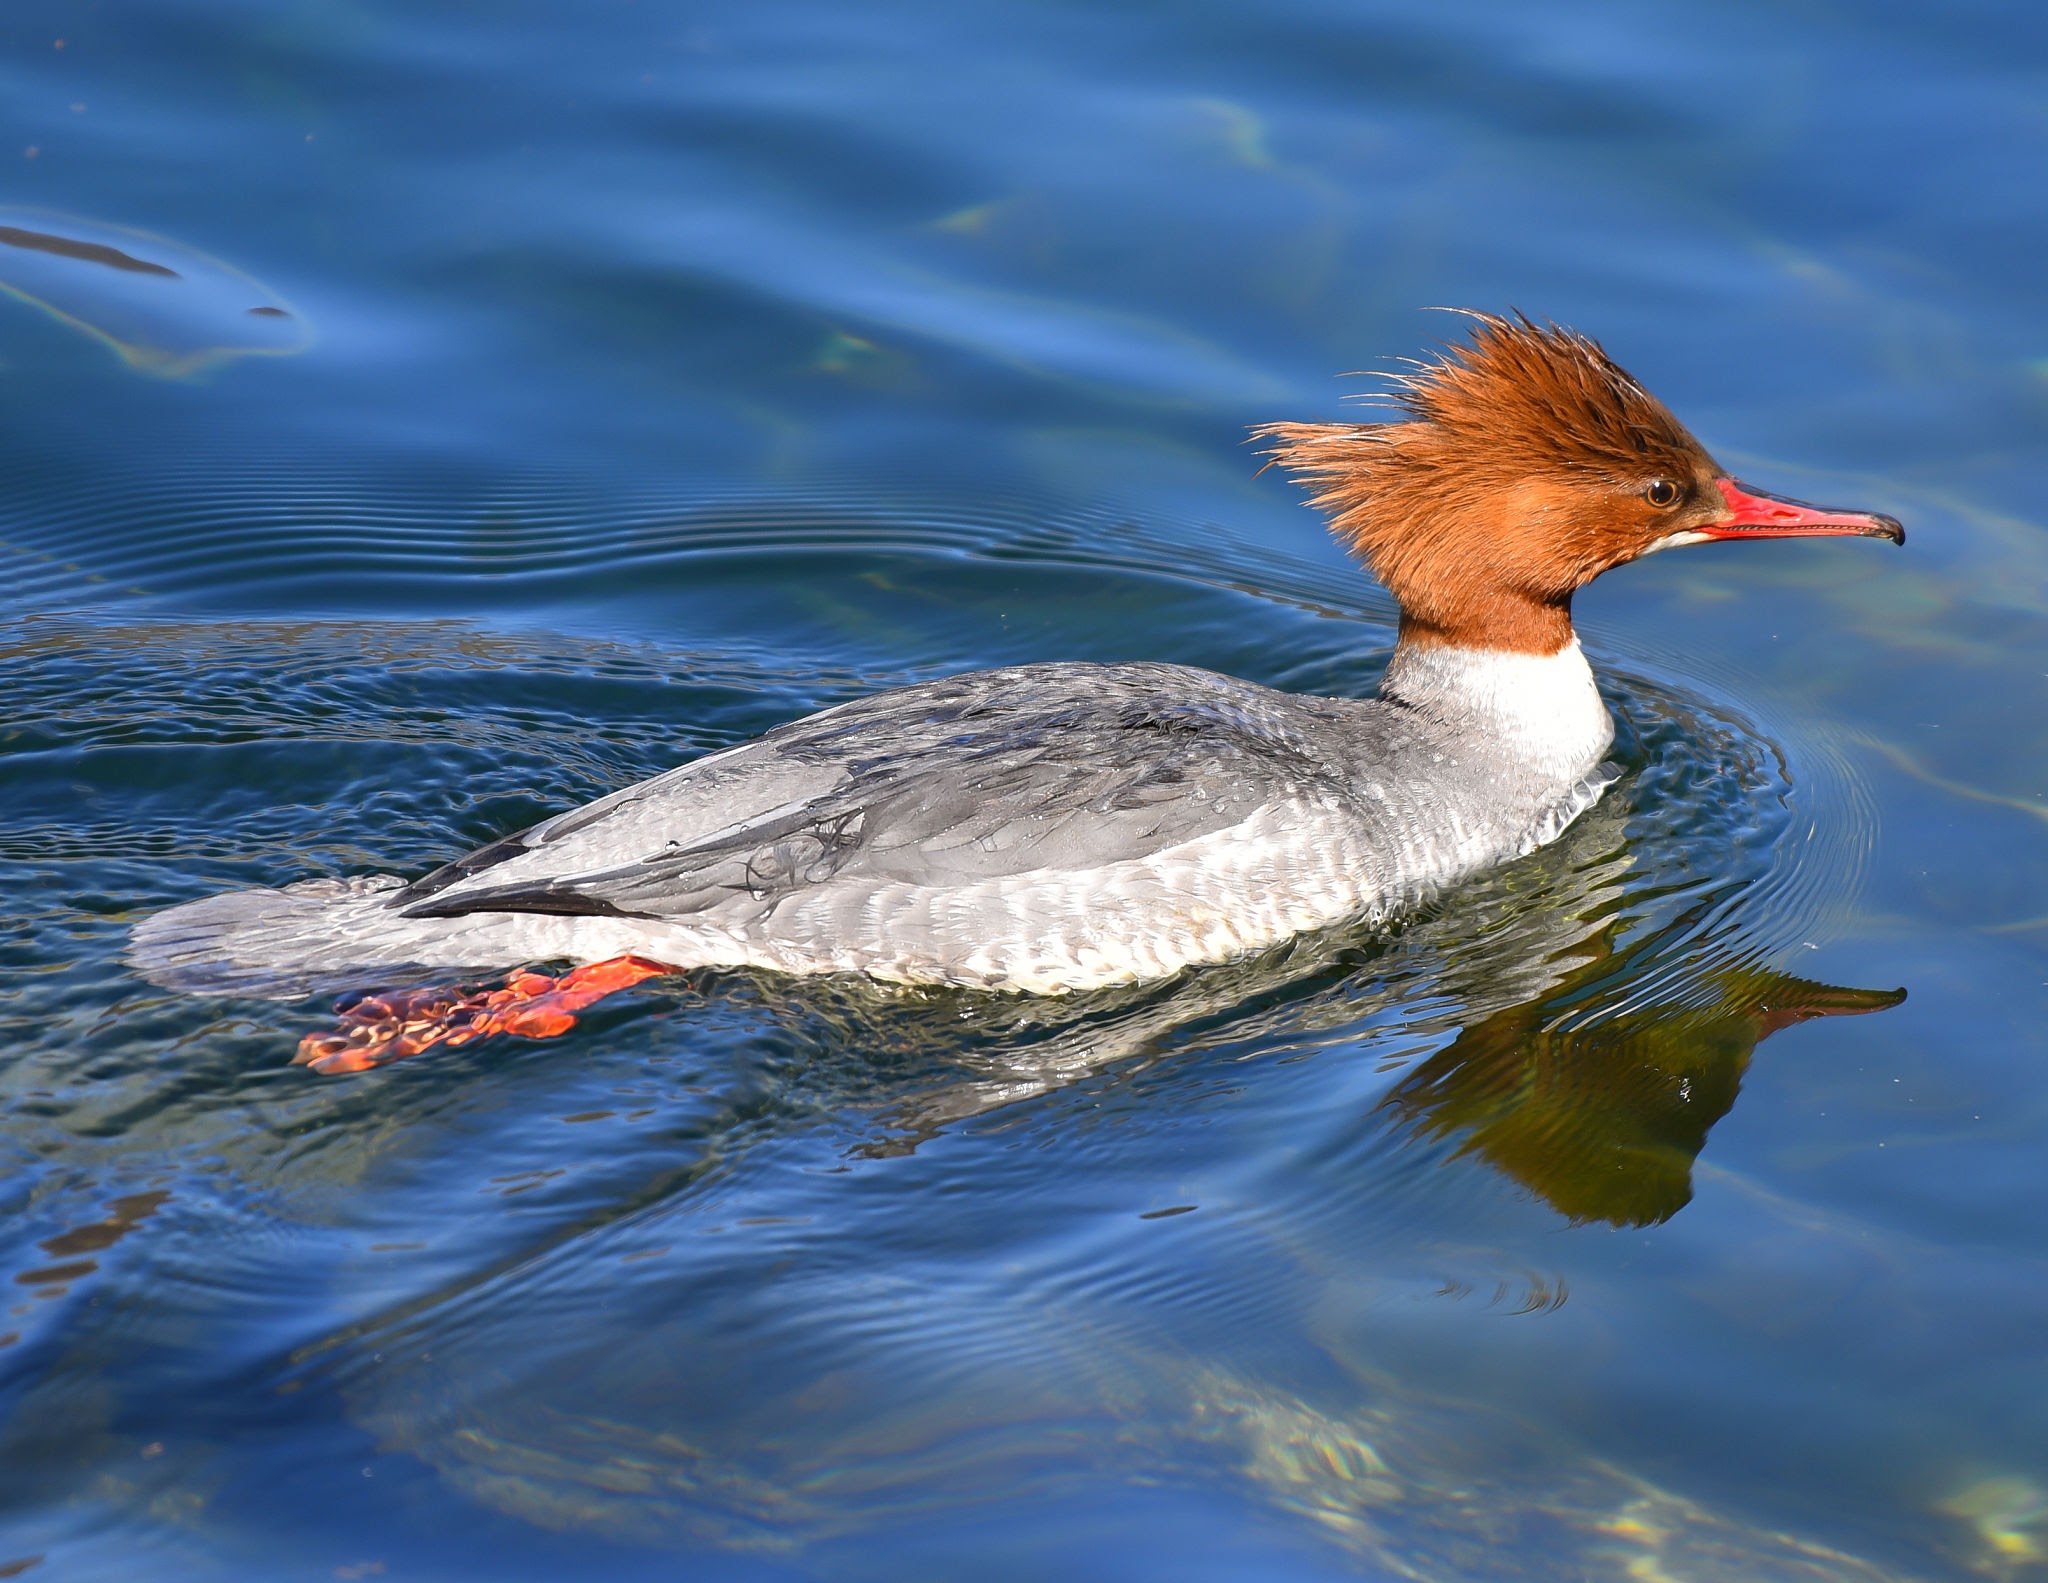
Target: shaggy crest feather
point(1522, 426)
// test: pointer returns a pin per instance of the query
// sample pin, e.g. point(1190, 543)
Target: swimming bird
point(1051, 828)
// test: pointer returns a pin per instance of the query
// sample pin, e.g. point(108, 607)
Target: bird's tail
point(289, 942)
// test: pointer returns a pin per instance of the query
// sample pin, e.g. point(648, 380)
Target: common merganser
point(1059, 827)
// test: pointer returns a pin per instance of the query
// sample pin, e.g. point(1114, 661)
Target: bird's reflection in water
point(1600, 1106)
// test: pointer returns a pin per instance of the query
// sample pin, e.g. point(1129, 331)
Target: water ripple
point(726, 1160)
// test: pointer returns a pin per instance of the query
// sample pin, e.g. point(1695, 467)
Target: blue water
point(636, 376)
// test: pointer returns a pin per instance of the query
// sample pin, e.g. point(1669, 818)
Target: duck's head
point(1528, 464)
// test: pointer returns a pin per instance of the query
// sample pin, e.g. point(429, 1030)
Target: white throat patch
point(1543, 708)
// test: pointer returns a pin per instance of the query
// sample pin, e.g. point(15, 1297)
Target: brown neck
point(1511, 622)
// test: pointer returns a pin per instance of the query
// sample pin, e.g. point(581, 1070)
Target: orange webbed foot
point(388, 1025)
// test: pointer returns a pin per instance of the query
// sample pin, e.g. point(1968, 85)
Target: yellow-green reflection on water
point(163, 307)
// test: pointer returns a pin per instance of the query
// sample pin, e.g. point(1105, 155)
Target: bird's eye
point(1663, 494)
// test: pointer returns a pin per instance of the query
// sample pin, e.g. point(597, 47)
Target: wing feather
point(991, 774)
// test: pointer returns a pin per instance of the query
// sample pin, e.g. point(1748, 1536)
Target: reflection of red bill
point(389, 1025)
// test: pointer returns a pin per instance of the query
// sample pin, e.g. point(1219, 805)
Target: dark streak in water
point(84, 252)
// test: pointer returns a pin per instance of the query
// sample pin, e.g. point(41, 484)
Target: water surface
point(661, 373)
